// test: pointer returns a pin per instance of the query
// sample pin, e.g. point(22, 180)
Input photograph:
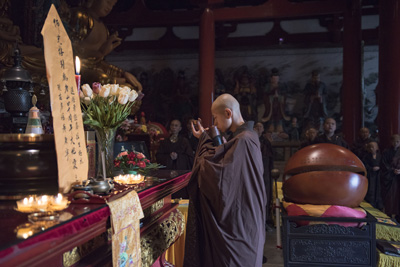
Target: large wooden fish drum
point(28, 165)
point(325, 174)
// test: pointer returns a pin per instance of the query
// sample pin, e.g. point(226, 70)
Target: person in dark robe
point(372, 161)
point(193, 141)
point(175, 152)
point(329, 135)
point(268, 162)
point(227, 194)
point(359, 145)
point(311, 134)
point(390, 178)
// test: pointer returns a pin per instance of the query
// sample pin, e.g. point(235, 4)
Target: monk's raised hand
point(198, 129)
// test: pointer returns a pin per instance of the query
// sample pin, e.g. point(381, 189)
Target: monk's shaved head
point(226, 112)
point(226, 101)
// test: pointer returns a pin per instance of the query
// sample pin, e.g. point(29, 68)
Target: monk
point(329, 135)
point(175, 152)
point(360, 144)
point(390, 178)
point(227, 194)
point(311, 134)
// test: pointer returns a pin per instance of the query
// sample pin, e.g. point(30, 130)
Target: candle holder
point(129, 179)
point(42, 204)
point(58, 203)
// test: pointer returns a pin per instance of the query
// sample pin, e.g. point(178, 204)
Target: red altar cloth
point(87, 222)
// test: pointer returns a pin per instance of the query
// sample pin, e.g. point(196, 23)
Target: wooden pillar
point(351, 91)
point(206, 66)
point(388, 90)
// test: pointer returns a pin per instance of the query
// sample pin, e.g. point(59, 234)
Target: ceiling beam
point(140, 16)
point(280, 9)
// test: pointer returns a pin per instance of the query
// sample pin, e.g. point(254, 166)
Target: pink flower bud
point(96, 87)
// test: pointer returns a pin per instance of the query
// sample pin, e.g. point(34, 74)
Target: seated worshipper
point(359, 146)
point(227, 194)
point(390, 178)
point(268, 162)
point(175, 152)
point(372, 161)
point(311, 134)
point(329, 135)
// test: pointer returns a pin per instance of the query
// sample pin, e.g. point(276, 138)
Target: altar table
point(82, 239)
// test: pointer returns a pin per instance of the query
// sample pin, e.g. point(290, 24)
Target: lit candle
point(25, 205)
point(42, 203)
point(77, 71)
point(59, 203)
point(129, 178)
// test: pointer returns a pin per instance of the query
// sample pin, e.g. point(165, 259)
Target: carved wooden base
point(156, 241)
point(328, 245)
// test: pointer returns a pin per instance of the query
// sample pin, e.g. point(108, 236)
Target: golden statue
point(90, 39)
point(92, 42)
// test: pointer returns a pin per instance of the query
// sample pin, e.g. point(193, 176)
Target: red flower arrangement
point(134, 161)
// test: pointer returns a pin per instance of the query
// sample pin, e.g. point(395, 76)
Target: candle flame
point(25, 201)
point(77, 65)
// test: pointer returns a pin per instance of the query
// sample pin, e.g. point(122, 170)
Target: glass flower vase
point(105, 159)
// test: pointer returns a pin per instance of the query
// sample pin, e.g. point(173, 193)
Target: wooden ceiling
point(128, 15)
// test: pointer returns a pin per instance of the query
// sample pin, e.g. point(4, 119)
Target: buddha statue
point(90, 40)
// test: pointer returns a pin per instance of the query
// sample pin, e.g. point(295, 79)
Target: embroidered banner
point(126, 213)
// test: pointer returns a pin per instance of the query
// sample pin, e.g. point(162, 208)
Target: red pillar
point(351, 91)
point(388, 90)
point(206, 66)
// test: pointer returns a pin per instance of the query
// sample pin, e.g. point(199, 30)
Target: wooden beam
point(140, 16)
point(370, 37)
point(278, 9)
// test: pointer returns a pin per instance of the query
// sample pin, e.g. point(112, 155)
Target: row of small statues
point(270, 106)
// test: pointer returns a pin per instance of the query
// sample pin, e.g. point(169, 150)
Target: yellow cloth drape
point(383, 231)
point(175, 253)
point(387, 261)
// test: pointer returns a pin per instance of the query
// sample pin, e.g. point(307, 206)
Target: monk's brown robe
point(227, 203)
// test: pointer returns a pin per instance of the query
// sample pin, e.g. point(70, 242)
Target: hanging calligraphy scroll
point(64, 99)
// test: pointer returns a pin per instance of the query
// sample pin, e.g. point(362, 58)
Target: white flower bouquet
point(106, 106)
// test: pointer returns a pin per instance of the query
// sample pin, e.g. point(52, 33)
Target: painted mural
point(170, 82)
